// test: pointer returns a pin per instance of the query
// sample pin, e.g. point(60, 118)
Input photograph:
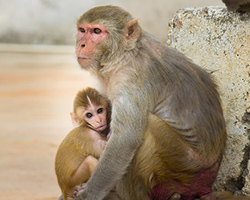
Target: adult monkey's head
point(103, 34)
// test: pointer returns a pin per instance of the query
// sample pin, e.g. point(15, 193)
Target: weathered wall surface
point(219, 41)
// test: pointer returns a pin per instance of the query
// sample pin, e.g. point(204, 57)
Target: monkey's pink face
point(89, 38)
point(94, 115)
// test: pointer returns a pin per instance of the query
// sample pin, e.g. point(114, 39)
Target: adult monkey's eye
point(97, 30)
point(82, 30)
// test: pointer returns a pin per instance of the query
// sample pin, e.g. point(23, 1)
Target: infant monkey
point(79, 152)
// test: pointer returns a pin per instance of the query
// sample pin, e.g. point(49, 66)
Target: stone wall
point(219, 41)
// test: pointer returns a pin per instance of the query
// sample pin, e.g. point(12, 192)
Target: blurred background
point(39, 77)
point(53, 22)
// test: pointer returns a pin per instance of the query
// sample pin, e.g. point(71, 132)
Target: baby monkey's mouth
point(101, 128)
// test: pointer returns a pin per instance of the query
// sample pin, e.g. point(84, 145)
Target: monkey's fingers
point(79, 189)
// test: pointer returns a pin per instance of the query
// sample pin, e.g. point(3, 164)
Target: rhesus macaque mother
point(168, 130)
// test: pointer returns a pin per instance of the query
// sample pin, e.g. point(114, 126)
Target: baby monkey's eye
point(100, 110)
point(89, 115)
point(97, 30)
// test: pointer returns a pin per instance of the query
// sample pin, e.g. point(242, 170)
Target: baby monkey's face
point(94, 115)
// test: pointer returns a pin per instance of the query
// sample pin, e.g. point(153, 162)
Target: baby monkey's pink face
point(94, 115)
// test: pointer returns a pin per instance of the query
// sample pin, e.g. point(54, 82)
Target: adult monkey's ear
point(133, 30)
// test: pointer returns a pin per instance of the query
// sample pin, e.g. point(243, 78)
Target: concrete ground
point(37, 88)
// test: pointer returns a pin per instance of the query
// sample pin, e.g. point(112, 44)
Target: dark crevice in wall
point(236, 185)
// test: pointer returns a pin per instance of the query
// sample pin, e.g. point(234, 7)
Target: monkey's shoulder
point(75, 144)
point(77, 137)
point(158, 56)
point(83, 132)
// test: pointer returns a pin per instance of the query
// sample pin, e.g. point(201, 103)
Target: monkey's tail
point(224, 196)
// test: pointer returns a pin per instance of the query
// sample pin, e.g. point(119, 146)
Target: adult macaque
point(238, 5)
point(168, 130)
point(78, 153)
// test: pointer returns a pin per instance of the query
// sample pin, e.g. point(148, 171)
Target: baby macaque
point(79, 152)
